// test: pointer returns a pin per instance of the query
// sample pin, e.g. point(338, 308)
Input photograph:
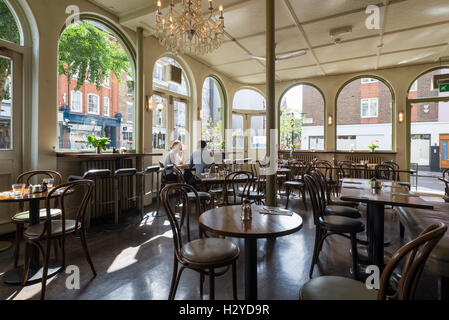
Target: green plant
point(97, 142)
point(373, 146)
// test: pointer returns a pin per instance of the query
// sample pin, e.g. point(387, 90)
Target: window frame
point(72, 100)
point(98, 103)
point(369, 100)
point(106, 114)
point(369, 80)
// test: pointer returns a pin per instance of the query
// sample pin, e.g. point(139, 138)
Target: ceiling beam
point(381, 34)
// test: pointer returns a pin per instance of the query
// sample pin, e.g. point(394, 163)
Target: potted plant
point(293, 148)
point(373, 146)
point(98, 143)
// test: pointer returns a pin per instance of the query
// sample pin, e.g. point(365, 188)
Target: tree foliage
point(91, 54)
point(8, 31)
point(290, 129)
point(213, 133)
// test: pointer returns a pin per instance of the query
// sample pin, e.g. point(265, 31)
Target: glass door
point(258, 137)
point(239, 142)
point(249, 135)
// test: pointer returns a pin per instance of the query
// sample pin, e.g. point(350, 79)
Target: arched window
point(364, 115)
point(249, 118)
point(96, 88)
point(170, 100)
point(302, 119)
point(212, 113)
point(9, 31)
point(429, 125)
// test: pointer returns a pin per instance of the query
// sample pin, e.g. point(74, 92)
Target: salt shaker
point(246, 214)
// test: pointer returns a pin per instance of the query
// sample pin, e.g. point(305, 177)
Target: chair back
point(395, 166)
point(347, 169)
point(161, 164)
point(179, 192)
point(415, 254)
point(317, 195)
point(28, 175)
point(384, 172)
point(325, 167)
point(237, 182)
point(85, 187)
point(179, 175)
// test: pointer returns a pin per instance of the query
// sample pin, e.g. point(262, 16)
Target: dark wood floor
point(136, 263)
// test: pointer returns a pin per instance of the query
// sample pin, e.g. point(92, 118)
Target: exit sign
point(444, 87)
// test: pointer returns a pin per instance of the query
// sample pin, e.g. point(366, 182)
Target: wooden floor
point(136, 263)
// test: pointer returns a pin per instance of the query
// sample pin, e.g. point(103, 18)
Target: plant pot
point(99, 150)
point(373, 150)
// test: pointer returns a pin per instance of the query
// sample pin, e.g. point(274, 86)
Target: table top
point(226, 221)
point(391, 193)
point(28, 197)
point(213, 178)
point(91, 155)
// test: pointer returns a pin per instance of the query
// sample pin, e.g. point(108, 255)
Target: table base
point(14, 276)
point(250, 269)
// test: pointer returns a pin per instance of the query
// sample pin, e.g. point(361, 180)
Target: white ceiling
point(412, 32)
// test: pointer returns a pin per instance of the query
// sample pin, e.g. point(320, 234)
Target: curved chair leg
point(315, 251)
point(354, 255)
point(401, 230)
point(86, 251)
point(26, 266)
point(176, 283)
point(19, 231)
point(173, 278)
point(45, 268)
point(303, 192)
point(201, 284)
point(234, 280)
point(211, 284)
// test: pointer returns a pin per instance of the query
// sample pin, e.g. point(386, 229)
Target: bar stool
point(152, 170)
point(95, 175)
point(119, 175)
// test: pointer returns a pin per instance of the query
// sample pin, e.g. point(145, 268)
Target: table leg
point(251, 269)
point(375, 217)
point(14, 276)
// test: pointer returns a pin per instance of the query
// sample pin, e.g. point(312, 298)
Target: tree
point(10, 32)
point(90, 54)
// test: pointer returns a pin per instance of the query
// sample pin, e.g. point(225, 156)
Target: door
point(239, 141)
point(10, 126)
point(258, 137)
point(249, 135)
point(444, 145)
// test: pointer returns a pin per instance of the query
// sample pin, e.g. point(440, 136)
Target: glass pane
point(160, 81)
point(212, 110)
point(302, 117)
point(258, 132)
point(9, 30)
point(364, 116)
point(160, 107)
point(5, 103)
point(102, 104)
point(423, 86)
point(180, 121)
point(238, 141)
point(249, 100)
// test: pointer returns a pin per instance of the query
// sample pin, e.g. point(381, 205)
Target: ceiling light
point(338, 32)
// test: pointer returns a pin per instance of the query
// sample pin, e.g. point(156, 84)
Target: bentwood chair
point(445, 179)
point(59, 229)
point(330, 174)
point(203, 255)
point(327, 225)
point(236, 186)
point(22, 217)
point(384, 172)
point(297, 182)
point(415, 254)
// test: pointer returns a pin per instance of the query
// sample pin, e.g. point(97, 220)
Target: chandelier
point(192, 31)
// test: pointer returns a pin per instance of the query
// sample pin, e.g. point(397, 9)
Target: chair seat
point(210, 250)
point(295, 184)
point(337, 210)
point(201, 194)
point(24, 216)
point(336, 288)
point(35, 231)
point(342, 224)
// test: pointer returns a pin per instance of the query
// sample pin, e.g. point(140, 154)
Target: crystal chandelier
point(192, 31)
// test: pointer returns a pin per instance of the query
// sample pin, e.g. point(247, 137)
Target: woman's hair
point(174, 144)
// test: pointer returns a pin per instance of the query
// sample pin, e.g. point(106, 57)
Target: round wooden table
point(14, 276)
point(225, 221)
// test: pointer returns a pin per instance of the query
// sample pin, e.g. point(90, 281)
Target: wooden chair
point(384, 172)
point(330, 175)
point(347, 169)
point(297, 182)
point(445, 179)
point(22, 217)
point(58, 229)
point(237, 185)
point(395, 166)
point(327, 225)
point(203, 255)
point(415, 254)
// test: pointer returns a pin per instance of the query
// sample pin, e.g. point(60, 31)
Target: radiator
point(364, 157)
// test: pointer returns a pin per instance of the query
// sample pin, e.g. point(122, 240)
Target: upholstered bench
point(416, 220)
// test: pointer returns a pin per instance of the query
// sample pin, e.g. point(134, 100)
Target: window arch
point(212, 111)
point(170, 100)
point(429, 122)
point(9, 27)
point(107, 96)
point(302, 118)
point(365, 115)
point(248, 99)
